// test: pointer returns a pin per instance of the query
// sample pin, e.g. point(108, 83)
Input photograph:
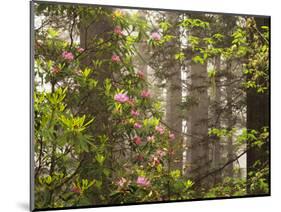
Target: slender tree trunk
point(217, 158)
point(174, 98)
point(229, 119)
point(173, 117)
point(198, 118)
point(257, 117)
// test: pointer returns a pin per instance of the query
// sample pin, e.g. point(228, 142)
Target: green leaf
point(52, 33)
point(164, 25)
point(212, 73)
point(159, 168)
point(175, 174)
point(48, 179)
point(86, 72)
point(179, 56)
point(188, 184)
point(100, 158)
point(198, 59)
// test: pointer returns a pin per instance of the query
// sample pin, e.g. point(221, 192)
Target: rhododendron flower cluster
point(121, 182)
point(68, 56)
point(141, 74)
point(150, 138)
point(160, 129)
point(121, 97)
point(115, 58)
point(172, 136)
point(137, 125)
point(156, 36)
point(55, 70)
point(137, 140)
point(155, 161)
point(145, 94)
point(80, 49)
point(135, 113)
point(118, 30)
point(160, 153)
point(143, 181)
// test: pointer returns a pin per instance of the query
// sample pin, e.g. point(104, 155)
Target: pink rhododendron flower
point(141, 74)
point(68, 56)
point(160, 129)
point(145, 94)
point(160, 153)
point(55, 70)
point(172, 136)
point(155, 160)
point(121, 97)
point(143, 181)
point(150, 138)
point(156, 36)
point(80, 49)
point(115, 58)
point(121, 182)
point(137, 140)
point(135, 113)
point(118, 30)
point(137, 125)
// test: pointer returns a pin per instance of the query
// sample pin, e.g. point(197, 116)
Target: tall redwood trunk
point(198, 122)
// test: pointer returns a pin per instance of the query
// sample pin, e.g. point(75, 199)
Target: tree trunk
point(94, 105)
point(257, 117)
point(217, 151)
point(174, 98)
point(198, 121)
point(229, 119)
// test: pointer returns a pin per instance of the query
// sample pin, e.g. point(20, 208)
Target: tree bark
point(198, 121)
point(174, 97)
point(217, 151)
